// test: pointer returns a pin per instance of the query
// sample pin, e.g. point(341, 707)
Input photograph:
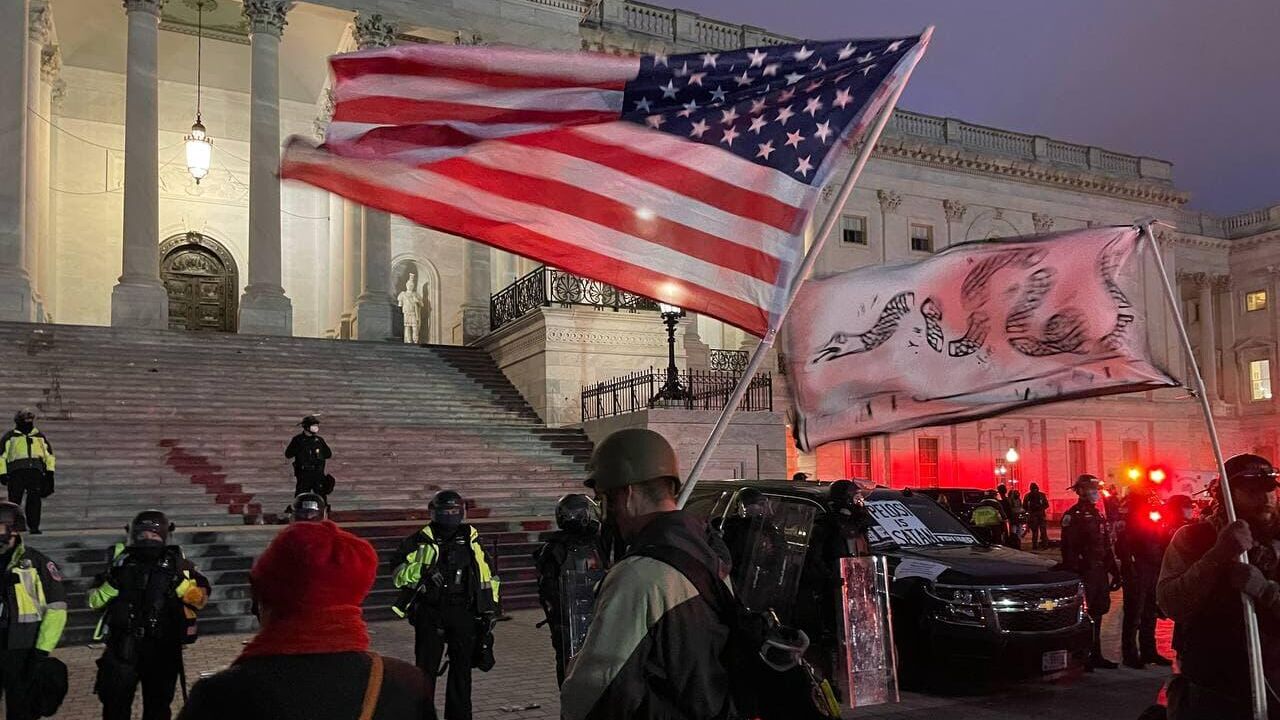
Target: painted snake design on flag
point(842, 344)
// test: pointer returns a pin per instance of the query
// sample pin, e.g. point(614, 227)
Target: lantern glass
point(199, 152)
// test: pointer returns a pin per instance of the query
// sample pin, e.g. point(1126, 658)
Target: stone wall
point(753, 447)
point(552, 353)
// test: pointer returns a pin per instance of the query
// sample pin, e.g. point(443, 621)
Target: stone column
point(1208, 335)
point(39, 26)
point(50, 66)
point(352, 225)
point(889, 203)
point(373, 307)
point(139, 299)
point(333, 312)
point(264, 309)
point(473, 316)
point(15, 286)
point(1229, 377)
point(373, 312)
point(954, 211)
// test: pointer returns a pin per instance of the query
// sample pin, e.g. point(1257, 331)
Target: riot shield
point(774, 553)
point(578, 603)
point(868, 662)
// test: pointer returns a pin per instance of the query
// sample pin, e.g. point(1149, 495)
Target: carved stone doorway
point(202, 281)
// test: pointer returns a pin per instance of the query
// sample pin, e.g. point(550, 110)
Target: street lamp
point(672, 390)
point(1011, 457)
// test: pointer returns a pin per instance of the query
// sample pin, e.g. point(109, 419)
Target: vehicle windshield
point(915, 520)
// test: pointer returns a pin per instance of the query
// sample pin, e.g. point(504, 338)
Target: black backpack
point(748, 673)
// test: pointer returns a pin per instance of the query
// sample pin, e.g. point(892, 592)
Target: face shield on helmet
point(149, 533)
point(447, 510)
point(754, 504)
point(308, 507)
point(577, 513)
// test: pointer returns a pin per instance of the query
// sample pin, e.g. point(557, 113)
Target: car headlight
point(961, 605)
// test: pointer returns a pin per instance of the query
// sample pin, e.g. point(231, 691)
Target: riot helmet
point(24, 420)
point(309, 507)
point(577, 513)
point(844, 495)
point(311, 424)
point(448, 511)
point(753, 503)
point(149, 529)
point(13, 522)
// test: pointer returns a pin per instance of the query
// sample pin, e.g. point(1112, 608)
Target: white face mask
point(313, 429)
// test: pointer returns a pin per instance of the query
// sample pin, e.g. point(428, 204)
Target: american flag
point(686, 178)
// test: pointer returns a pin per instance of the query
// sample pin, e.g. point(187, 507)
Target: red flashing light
point(1157, 475)
point(1154, 515)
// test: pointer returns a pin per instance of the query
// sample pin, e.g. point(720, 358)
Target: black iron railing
point(729, 360)
point(545, 286)
point(708, 390)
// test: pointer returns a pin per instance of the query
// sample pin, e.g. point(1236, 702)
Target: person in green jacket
point(33, 611)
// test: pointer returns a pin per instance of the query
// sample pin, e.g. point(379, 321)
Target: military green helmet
point(630, 457)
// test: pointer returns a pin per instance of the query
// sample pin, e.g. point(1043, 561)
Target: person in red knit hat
point(311, 657)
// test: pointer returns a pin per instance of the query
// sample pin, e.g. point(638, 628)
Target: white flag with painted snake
point(977, 330)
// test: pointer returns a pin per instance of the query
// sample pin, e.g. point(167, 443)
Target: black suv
point(1004, 612)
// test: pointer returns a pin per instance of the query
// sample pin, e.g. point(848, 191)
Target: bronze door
point(201, 290)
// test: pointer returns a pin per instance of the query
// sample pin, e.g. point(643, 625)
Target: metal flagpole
point(1257, 681)
point(806, 267)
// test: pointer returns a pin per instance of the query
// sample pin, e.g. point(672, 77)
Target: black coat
point(308, 453)
point(307, 687)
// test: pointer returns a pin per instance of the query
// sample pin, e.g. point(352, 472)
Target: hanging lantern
point(199, 151)
point(199, 146)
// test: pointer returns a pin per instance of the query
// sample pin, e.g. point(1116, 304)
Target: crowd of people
point(640, 597)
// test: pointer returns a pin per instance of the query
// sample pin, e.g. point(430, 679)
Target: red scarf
point(340, 628)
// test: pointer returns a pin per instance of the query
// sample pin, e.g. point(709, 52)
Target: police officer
point(33, 611)
point(1140, 543)
point(573, 547)
point(27, 465)
point(454, 599)
point(753, 505)
point(309, 507)
point(838, 533)
point(148, 596)
point(309, 453)
point(1088, 551)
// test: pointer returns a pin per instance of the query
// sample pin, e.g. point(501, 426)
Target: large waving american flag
point(686, 178)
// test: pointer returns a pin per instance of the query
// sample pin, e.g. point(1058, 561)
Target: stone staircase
point(196, 424)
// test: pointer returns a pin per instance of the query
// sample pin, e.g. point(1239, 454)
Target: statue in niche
point(410, 301)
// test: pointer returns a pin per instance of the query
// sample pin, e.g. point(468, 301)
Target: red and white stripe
point(524, 150)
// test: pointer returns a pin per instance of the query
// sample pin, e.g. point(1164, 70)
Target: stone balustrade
point(1256, 221)
point(947, 131)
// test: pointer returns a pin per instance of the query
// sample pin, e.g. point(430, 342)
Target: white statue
point(410, 304)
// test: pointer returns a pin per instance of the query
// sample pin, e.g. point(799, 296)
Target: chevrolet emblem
point(1048, 605)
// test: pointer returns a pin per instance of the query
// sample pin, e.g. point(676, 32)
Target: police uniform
point(561, 551)
point(309, 453)
point(1088, 551)
point(27, 468)
point(33, 613)
point(148, 599)
point(1140, 542)
point(456, 598)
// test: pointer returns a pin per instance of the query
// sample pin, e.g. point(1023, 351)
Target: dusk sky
point(1194, 82)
